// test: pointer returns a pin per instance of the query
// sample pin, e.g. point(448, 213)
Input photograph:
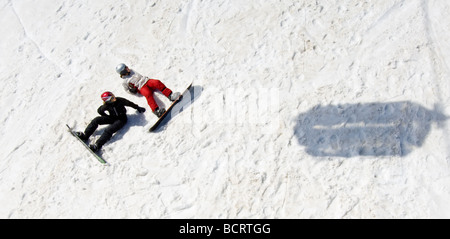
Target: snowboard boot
point(105, 137)
point(174, 96)
point(159, 112)
point(81, 135)
point(94, 148)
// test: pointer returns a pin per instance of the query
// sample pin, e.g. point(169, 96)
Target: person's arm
point(132, 105)
point(130, 88)
point(101, 110)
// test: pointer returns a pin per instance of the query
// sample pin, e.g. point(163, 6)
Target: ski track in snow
point(441, 65)
point(292, 101)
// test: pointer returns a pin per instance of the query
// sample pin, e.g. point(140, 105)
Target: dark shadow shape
point(188, 98)
point(372, 129)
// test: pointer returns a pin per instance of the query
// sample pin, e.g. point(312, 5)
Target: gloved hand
point(141, 109)
point(132, 88)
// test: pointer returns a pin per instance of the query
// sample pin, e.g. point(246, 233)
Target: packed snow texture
point(300, 109)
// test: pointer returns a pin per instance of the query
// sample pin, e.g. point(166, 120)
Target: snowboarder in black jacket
point(116, 118)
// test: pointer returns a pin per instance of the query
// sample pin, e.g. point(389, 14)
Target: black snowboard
point(160, 120)
point(98, 157)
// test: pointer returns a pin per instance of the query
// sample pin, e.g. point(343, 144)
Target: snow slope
point(303, 109)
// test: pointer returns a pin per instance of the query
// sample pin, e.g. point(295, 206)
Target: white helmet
point(120, 68)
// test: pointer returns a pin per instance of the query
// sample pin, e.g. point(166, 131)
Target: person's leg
point(108, 133)
point(148, 94)
point(158, 85)
point(100, 120)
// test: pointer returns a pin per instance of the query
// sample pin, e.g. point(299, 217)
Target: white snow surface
point(303, 109)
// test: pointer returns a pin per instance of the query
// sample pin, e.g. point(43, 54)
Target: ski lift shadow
point(370, 129)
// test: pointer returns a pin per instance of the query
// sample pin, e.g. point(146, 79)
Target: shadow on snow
point(188, 98)
point(372, 129)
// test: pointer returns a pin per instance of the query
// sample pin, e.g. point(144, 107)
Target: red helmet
point(107, 97)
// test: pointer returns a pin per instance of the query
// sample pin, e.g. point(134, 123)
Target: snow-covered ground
point(302, 109)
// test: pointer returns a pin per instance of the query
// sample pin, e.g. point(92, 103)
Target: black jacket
point(116, 109)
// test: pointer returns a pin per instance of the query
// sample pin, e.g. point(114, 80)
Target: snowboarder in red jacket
point(112, 113)
point(136, 83)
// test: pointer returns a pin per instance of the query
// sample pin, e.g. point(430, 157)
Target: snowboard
point(97, 156)
point(160, 120)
